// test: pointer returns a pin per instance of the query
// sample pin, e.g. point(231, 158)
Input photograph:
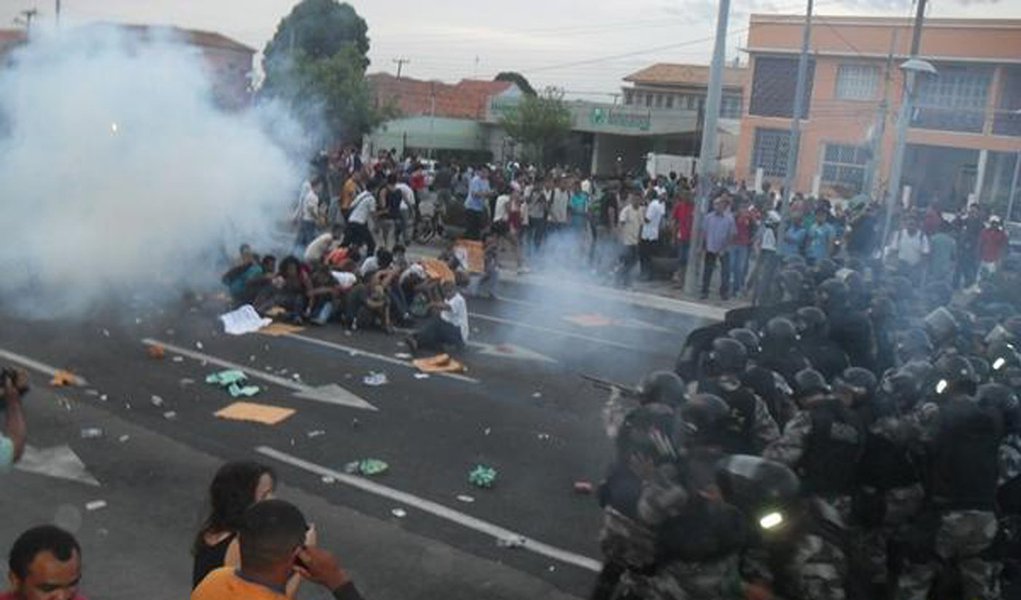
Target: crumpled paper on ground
point(243, 320)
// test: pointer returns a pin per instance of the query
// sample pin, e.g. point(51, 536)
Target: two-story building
point(964, 138)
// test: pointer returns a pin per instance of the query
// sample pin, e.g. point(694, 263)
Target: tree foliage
point(517, 79)
point(316, 64)
point(538, 123)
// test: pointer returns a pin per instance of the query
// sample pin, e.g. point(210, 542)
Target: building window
point(1008, 115)
point(629, 97)
point(659, 100)
point(774, 82)
point(670, 101)
point(857, 82)
point(730, 108)
point(844, 165)
point(648, 100)
point(955, 100)
point(770, 151)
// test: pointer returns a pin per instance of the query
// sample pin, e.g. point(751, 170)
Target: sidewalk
point(660, 295)
point(137, 545)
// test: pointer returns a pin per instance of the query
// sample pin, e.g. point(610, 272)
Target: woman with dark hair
point(236, 486)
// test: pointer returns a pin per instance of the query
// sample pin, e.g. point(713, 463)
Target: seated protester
point(342, 254)
point(272, 549)
point(449, 256)
point(45, 562)
point(413, 282)
point(289, 290)
point(448, 325)
point(366, 305)
point(238, 276)
point(397, 304)
point(264, 280)
point(400, 258)
point(382, 260)
point(323, 295)
point(321, 246)
point(236, 486)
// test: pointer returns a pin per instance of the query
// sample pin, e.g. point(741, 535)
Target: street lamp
point(912, 68)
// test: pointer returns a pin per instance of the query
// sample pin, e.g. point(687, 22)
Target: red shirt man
point(744, 222)
point(992, 242)
point(683, 215)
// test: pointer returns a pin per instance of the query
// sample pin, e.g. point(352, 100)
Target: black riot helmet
point(941, 325)
point(780, 334)
point(832, 295)
point(663, 387)
point(652, 430)
point(900, 390)
point(1002, 355)
point(749, 339)
point(808, 383)
point(792, 283)
point(825, 268)
point(727, 356)
point(765, 490)
point(860, 383)
point(956, 375)
point(812, 322)
point(1005, 400)
point(913, 344)
point(982, 369)
point(705, 419)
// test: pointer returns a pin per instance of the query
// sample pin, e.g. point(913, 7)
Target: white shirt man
point(558, 208)
point(631, 220)
point(500, 210)
point(457, 315)
point(318, 248)
point(653, 218)
point(910, 248)
point(407, 196)
point(308, 205)
point(362, 208)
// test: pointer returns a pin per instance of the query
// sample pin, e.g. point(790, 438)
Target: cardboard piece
point(63, 379)
point(256, 413)
point(472, 255)
point(589, 320)
point(279, 329)
point(441, 363)
point(437, 269)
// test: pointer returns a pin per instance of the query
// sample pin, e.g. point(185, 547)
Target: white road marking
point(35, 365)
point(435, 509)
point(559, 332)
point(329, 394)
point(387, 359)
point(59, 462)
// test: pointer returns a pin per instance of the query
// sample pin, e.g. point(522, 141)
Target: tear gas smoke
point(118, 173)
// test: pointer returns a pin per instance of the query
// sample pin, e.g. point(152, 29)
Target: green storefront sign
point(604, 117)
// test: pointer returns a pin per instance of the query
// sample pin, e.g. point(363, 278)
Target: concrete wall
point(444, 134)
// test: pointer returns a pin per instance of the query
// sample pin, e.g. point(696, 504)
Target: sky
point(586, 52)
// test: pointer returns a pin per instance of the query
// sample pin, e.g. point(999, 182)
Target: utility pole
point(871, 175)
point(893, 187)
point(794, 141)
point(400, 62)
point(432, 115)
point(26, 18)
point(56, 13)
point(707, 159)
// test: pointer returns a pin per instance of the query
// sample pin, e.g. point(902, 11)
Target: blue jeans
point(738, 267)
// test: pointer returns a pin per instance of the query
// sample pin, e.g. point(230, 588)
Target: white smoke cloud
point(118, 173)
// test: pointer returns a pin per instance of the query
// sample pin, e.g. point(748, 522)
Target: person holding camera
point(15, 431)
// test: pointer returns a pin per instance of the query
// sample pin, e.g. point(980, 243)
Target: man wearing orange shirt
point(349, 192)
point(272, 539)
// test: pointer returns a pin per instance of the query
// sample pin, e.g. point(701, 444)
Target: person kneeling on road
point(272, 542)
point(15, 431)
point(448, 325)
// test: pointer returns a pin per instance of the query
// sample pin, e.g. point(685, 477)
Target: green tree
point(316, 64)
point(517, 79)
point(538, 123)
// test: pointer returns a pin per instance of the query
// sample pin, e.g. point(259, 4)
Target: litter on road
point(403, 356)
point(157, 401)
point(95, 505)
point(583, 487)
point(63, 379)
point(465, 498)
point(328, 480)
point(91, 433)
point(155, 351)
point(225, 378)
point(399, 513)
point(374, 379)
point(369, 467)
point(315, 433)
point(238, 391)
point(123, 438)
point(421, 376)
point(178, 359)
point(170, 415)
point(441, 363)
point(482, 476)
point(256, 413)
point(511, 542)
point(243, 320)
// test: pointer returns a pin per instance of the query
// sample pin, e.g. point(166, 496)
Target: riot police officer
point(850, 329)
point(780, 351)
point(964, 438)
point(825, 356)
point(751, 427)
point(766, 383)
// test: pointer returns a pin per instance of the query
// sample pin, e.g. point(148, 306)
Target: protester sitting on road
point(236, 486)
point(381, 260)
point(45, 564)
point(237, 277)
point(448, 324)
point(272, 549)
point(15, 432)
point(289, 290)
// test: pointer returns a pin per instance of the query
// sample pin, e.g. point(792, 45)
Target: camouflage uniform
point(697, 581)
point(962, 537)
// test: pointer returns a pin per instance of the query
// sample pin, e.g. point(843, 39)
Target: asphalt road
point(521, 409)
